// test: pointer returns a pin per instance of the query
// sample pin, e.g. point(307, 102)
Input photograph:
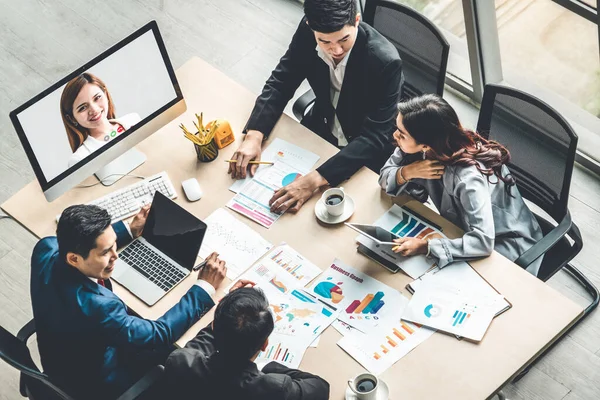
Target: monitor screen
point(96, 107)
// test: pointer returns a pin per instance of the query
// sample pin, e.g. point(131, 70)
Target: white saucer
point(324, 216)
point(383, 393)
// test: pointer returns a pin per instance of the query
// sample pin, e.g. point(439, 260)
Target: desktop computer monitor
point(89, 121)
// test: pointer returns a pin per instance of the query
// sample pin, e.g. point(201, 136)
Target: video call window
point(97, 106)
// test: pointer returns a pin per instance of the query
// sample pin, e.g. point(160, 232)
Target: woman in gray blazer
point(467, 180)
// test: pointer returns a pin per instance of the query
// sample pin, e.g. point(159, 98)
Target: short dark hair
point(243, 321)
point(78, 228)
point(327, 16)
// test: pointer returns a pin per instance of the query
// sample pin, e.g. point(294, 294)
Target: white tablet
point(375, 233)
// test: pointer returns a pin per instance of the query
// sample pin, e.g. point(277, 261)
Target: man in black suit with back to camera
point(219, 362)
point(356, 75)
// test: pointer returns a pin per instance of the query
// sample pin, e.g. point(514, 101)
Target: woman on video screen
point(88, 114)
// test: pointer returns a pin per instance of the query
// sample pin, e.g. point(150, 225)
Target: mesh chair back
point(421, 45)
point(16, 354)
point(541, 143)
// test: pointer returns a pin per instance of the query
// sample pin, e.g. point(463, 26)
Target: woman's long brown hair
point(431, 121)
point(75, 132)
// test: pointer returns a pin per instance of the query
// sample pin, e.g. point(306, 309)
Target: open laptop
point(164, 255)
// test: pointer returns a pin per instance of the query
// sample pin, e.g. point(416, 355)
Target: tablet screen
point(375, 232)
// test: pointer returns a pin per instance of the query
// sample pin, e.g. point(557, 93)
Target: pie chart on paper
point(289, 178)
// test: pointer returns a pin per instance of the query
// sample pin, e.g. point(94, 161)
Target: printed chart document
point(280, 150)
point(404, 223)
point(299, 317)
point(252, 200)
point(284, 268)
point(386, 344)
point(452, 310)
point(361, 300)
point(462, 276)
point(237, 244)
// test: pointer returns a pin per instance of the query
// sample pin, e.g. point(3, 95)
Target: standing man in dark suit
point(356, 75)
point(219, 362)
point(89, 343)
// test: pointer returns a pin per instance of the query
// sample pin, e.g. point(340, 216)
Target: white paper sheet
point(237, 244)
point(385, 345)
point(462, 276)
point(452, 310)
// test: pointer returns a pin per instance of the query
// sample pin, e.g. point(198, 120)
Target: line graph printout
point(237, 244)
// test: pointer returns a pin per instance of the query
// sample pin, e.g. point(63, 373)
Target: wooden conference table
point(442, 366)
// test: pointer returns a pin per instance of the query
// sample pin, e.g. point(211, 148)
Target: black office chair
point(421, 45)
point(37, 386)
point(542, 145)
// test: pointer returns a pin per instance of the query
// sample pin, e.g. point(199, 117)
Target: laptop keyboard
point(150, 264)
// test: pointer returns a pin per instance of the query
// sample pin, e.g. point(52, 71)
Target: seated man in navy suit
point(89, 342)
point(219, 362)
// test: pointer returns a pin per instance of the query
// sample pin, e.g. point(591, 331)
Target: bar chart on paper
point(367, 308)
point(380, 349)
point(294, 263)
point(284, 350)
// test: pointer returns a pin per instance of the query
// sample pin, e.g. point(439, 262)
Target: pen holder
point(207, 152)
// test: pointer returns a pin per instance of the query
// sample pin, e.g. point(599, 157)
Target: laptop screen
point(174, 231)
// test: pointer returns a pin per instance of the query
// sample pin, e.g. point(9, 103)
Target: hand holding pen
point(212, 270)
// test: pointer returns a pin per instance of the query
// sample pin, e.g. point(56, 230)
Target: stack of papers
point(237, 244)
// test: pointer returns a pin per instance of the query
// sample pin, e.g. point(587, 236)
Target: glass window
point(552, 47)
point(593, 3)
point(448, 16)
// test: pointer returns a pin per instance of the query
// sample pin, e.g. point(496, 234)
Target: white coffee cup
point(334, 200)
point(364, 386)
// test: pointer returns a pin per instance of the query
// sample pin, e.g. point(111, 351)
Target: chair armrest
point(546, 243)
point(26, 331)
point(300, 106)
point(143, 384)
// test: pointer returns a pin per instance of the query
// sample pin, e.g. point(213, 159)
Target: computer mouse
point(192, 189)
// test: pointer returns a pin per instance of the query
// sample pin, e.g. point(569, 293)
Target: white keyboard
point(128, 201)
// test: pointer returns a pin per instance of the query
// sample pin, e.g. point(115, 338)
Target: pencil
point(395, 248)
point(253, 162)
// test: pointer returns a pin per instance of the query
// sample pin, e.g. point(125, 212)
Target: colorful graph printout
point(294, 263)
point(452, 310)
point(283, 350)
point(278, 150)
point(362, 301)
point(385, 344)
point(252, 200)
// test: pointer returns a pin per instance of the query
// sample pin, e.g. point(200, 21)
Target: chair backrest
point(16, 354)
point(541, 142)
point(421, 45)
